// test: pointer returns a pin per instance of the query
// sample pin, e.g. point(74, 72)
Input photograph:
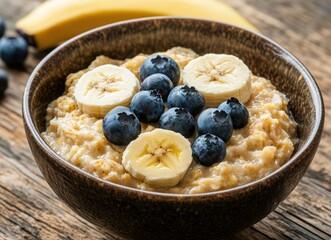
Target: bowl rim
point(307, 76)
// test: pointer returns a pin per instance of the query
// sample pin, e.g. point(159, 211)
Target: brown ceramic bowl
point(137, 214)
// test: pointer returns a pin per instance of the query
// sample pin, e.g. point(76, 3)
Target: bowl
point(138, 214)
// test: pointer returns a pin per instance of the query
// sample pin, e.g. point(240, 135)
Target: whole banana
point(55, 21)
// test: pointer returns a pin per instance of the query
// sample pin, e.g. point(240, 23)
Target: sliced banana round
point(219, 77)
point(160, 157)
point(105, 87)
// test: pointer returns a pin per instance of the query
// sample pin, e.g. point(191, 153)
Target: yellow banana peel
point(55, 21)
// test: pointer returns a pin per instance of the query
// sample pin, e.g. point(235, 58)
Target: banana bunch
point(55, 21)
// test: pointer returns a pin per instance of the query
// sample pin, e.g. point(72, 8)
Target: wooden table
point(29, 209)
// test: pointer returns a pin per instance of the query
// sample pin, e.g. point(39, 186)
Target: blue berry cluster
point(13, 52)
point(160, 75)
point(215, 127)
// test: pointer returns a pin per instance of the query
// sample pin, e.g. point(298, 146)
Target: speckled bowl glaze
point(137, 214)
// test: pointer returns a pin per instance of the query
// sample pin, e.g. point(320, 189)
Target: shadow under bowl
point(138, 214)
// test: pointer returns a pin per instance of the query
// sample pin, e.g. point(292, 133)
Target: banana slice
point(219, 77)
point(159, 158)
point(105, 87)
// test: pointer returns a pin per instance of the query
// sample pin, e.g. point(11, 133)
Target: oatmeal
point(252, 152)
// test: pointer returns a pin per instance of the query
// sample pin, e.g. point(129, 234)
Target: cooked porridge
point(252, 152)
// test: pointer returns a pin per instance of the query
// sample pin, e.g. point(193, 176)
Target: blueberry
point(208, 149)
point(215, 121)
point(178, 120)
point(147, 105)
point(120, 126)
point(2, 27)
point(159, 82)
point(237, 111)
point(186, 97)
point(3, 82)
point(13, 51)
point(160, 64)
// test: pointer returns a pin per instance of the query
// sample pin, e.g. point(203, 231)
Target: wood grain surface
point(30, 210)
